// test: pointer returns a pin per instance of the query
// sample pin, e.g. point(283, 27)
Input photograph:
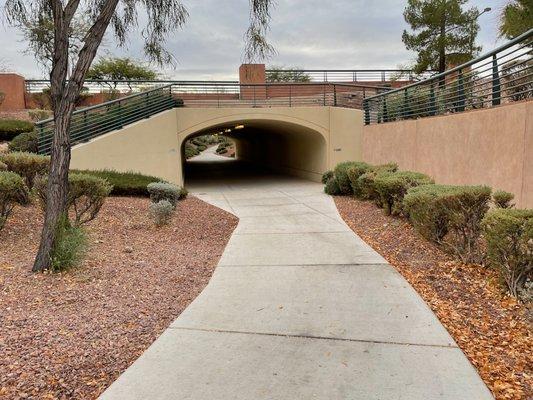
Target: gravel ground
point(68, 336)
point(492, 329)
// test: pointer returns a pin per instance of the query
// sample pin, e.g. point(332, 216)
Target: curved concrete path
point(298, 308)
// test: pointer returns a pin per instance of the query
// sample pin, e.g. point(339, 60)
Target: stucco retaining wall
point(492, 147)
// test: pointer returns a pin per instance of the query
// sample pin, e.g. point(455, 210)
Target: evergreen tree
point(517, 18)
point(443, 33)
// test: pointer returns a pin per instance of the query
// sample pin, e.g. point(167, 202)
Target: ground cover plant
point(124, 183)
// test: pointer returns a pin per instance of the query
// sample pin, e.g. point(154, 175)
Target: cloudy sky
point(313, 34)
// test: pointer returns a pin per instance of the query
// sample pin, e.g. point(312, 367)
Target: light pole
point(472, 38)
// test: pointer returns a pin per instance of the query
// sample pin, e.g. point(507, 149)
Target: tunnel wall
point(302, 141)
point(149, 147)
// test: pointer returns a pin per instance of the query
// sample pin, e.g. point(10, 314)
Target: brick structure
point(12, 85)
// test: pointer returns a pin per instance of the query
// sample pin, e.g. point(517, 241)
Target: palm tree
point(516, 18)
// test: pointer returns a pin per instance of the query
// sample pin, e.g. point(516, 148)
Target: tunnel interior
point(262, 147)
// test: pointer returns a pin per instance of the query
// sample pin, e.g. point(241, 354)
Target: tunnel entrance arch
point(271, 143)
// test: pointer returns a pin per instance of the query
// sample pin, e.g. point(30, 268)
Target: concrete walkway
point(298, 308)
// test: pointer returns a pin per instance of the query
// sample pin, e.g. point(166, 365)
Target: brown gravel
point(68, 336)
point(491, 328)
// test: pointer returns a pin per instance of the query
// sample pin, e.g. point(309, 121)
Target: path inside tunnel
point(299, 307)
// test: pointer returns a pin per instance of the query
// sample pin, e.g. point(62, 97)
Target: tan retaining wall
point(492, 147)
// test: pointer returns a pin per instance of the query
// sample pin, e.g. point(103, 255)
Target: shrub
point(326, 176)
point(332, 187)
point(27, 165)
point(366, 187)
point(450, 216)
point(86, 196)
point(190, 150)
point(39, 115)
point(393, 186)
point(3, 167)
point(161, 212)
point(26, 142)
point(509, 236)
point(354, 172)
point(70, 246)
point(341, 174)
point(9, 128)
point(503, 199)
point(12, 191)
point(166, 191)
point(124, 183)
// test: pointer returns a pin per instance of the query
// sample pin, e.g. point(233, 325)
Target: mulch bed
point(69, 335)
point(492, 329)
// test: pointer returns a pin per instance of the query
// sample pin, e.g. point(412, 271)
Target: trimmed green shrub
point(70, 246)
point(326, 176)
point(3, 167)
point(39, 115)
point(190, 150)
point(13, 191)
point(509, 236)
point(341, 174)
point(9, 128)
point(27, 165)
point(161, 212)
point(332, 187)
point(503, 199)
point(86, 195)
point(166, 191)
point(354, 172)
point(124, 183)
point(366, 187)
point(450, 216)
point(26, 142)
point(393, 186)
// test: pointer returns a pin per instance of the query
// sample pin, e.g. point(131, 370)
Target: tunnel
point(261, 147)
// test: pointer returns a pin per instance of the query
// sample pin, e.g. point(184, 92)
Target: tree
point(443, 33)
point(162, 18)
point(286, 74)
point(38, 31)
point(516, 18)
point(115, 69)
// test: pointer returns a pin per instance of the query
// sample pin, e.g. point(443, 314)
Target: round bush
point(26, 142)
point(9, 128)
point(393, 186)
point(165, 191)
point(503, 199)
point(341, 174)
point(27, 165)
point(326, 176)
point(332, 187)
point(161, 212)
point(13, 191)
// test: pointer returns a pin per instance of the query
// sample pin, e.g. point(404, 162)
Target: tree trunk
point(57, 187)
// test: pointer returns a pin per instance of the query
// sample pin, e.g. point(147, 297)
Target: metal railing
point(90, 122)
point(346, 75)
point(501, 76)
point(92, 86)
point(94, 121)
point(274, 94)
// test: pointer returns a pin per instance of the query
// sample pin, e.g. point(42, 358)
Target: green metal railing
point(501, 76)
point(94, 121)
point(91, 122)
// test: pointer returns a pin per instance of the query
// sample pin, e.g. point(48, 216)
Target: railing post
point(335, 95)
point(254, 96)
point(146, 102)
point(460, 92)
point(218, 96)
point(496, 84)
point(366, 108)
point(290, 95)
point(385, 110)
point(324, 94)
point(405, 107)
point(382, 76)
point(432, 100)
point(119, 103)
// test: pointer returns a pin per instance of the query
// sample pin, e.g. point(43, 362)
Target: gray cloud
point(307, 33)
